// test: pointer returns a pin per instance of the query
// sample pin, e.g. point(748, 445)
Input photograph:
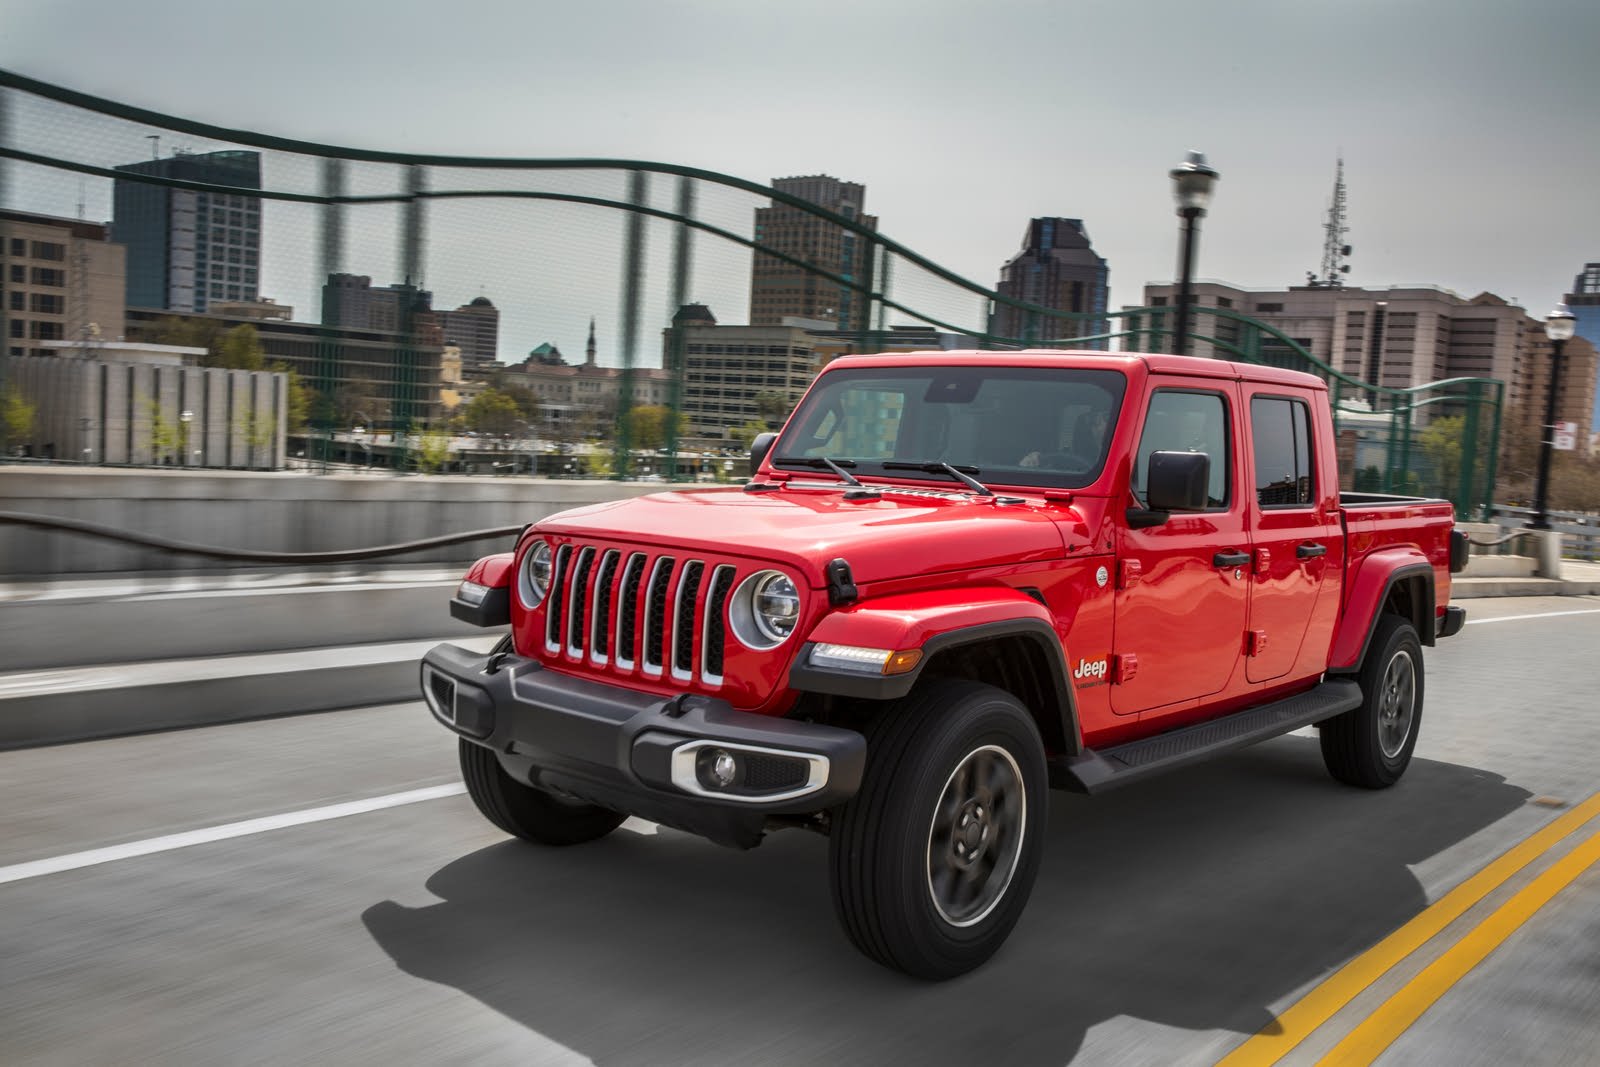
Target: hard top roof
point(1154, 363)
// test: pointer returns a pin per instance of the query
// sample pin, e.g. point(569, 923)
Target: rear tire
point(526, 812)
point(933, 860)
point(1371, 746)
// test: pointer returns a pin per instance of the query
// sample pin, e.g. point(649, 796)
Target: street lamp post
point(1191, 185)
point(184, 419)
point(363, 420)
point(1559, 326)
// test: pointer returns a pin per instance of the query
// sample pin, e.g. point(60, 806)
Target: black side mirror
point(759, 447)
point(1177, 481)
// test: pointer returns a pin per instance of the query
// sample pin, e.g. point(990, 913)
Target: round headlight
point(777, 606)
point(765, 609)
point(533, 577)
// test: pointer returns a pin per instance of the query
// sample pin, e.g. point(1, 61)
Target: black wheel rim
point(976, 836)
point(1397, 702)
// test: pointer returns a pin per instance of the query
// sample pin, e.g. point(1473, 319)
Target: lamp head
point(1192, 181)
point(1560, 324)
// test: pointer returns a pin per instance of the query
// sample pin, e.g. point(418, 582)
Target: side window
point(1281, 430)
point(1187, 422)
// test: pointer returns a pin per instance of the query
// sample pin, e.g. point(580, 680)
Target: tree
point(16, 418)
point(492, 412)
point(433, 451)
point(188, 333)
point(648, 425)
point(166, 437)
point(239, 349)
point(743, 435)
point(773, 407)
point(1519, 456)
point(1441, 442)
point(526, 399)
point(300, 398)
point(260, 432)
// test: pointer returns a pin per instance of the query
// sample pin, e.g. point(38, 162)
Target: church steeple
point(588, 360)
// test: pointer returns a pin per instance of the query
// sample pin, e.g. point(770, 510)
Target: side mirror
point(1177, 481)
point(759, 449)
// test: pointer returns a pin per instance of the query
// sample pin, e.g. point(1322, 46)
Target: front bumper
point(1450, 623)
point(639, 753)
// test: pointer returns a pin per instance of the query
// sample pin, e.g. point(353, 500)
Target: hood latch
point(841, 583)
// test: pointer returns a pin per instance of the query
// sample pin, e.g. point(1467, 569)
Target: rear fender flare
point(1374, 580)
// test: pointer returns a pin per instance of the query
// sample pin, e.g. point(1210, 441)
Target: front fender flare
point(495, 573)
point(934, 623)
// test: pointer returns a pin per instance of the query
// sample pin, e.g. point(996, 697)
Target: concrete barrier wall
point(271, 511)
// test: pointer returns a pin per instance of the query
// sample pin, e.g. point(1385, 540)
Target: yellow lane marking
point(1367, 1041)
point(1296, 1023)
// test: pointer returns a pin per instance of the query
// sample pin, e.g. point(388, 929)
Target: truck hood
point(903, 532)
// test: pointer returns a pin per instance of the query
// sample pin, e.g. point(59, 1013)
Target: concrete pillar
point(1548, 553)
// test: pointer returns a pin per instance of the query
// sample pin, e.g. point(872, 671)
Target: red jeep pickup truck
point(954, 580)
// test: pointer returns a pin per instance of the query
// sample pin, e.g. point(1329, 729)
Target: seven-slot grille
point(659, 614)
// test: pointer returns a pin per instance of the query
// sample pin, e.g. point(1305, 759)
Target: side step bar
point(1096, 771)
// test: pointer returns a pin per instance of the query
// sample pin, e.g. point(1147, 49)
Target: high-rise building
point(779, 289)
point(188, 248)
point(351, 301)
point(1528, 392)
point(475, 327)
point(1057, 269)
point(61, 280)
point(1584, 300)
point(1399, 337)
point(725, 367)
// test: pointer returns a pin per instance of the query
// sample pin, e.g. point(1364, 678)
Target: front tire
point(526, 812)
point(1371, 746)
point(933, 860)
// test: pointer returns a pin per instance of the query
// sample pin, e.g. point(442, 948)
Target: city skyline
point(1466, 163)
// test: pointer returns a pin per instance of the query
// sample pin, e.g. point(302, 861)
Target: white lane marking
point(72, 861)
point(94, 856)
point(1541, 615)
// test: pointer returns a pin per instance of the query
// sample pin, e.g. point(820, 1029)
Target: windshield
point(1013, 425)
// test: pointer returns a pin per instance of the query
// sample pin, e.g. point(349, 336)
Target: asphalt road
point(1170, 923)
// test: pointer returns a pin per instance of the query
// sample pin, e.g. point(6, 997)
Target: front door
point(1183, 585)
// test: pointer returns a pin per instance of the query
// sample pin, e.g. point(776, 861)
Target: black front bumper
point(636, 753)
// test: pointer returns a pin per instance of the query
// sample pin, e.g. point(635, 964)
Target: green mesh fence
point(553, 244)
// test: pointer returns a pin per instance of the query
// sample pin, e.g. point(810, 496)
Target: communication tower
point(87, 332)
point(1335, 253)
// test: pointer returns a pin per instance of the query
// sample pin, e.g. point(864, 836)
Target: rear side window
point(1281, 433)
point(1180, 421)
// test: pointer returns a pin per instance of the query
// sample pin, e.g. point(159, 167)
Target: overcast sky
point(1468, 127)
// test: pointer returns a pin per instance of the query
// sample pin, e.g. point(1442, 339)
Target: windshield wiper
point(837, 467)
point(944, 468)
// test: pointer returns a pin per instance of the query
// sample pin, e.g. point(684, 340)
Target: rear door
point(1295, 520)
point(1182, 586)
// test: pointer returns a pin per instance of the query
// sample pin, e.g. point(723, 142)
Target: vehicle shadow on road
point(1192, 902)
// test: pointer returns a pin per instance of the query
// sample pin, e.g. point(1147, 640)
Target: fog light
point(718, 769)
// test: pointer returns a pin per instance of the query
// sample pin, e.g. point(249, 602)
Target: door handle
point(1230, 559)
point(1311, 550)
